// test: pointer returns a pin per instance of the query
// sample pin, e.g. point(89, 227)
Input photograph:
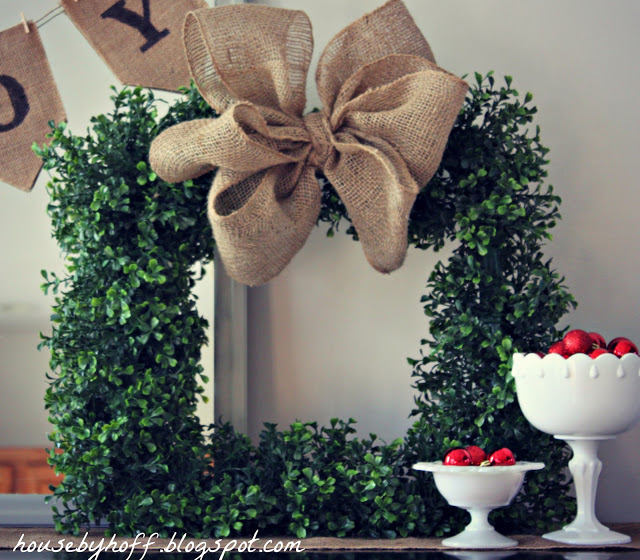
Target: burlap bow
point(387, 111)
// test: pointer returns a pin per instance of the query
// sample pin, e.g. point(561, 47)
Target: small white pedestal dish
point(582, 401)
point(478, 490)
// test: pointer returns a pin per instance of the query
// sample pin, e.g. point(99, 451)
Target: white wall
point(26, 245)
point(329, 337)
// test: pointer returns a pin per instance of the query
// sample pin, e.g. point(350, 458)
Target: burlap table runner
point(9, 537)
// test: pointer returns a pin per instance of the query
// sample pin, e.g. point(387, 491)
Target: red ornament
point(577, 342)
point(557, 348)
point(598, 352)
point(477, 454)
point(616, 340)
point(621, 346)
point(598, 339)
point(502, 457)
point(457, 457)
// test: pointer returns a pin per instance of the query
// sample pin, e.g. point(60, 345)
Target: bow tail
point(260, 221)
point(378, 191)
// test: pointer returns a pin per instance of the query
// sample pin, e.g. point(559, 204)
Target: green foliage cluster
point(126, 336)
point(495, 295)
point(126, 342)
point(309, 480)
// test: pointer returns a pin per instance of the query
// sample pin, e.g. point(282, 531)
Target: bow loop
point(388, 30)
point(250, 53)
point(387, 113)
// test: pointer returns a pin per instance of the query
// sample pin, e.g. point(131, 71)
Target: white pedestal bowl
point(582, 401)
point(478, 490)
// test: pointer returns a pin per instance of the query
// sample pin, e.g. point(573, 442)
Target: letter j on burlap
point(387, 111)
point(29, 99)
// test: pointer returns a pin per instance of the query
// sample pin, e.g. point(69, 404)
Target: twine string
point(59, 8)
point(46, 18)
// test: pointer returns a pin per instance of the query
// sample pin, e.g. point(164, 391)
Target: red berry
point(557, 348)
point(541, 354)
point(598, 352)
point(477, 454)
point(457, 457)
point(621, 346)
point(502, 457)
point(598, 339)
point(577, 342)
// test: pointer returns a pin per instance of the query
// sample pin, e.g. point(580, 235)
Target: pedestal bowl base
point(591, 536)
point(483, 538)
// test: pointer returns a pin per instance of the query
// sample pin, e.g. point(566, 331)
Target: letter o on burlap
point(387, 111)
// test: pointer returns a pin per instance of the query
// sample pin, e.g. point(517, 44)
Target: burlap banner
point(140, 40)
point(28, 100)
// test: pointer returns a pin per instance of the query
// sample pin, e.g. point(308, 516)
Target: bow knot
point(387, 110)
point(321, 137)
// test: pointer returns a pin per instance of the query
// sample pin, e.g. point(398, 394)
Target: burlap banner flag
point(140, 40)
point(28, 100)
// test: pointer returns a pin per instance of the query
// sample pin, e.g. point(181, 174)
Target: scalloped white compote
point(582, 401)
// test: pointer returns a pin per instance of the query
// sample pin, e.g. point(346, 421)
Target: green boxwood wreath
point(126, 343)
